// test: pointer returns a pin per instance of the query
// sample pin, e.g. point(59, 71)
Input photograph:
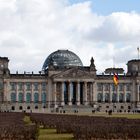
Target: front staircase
point(76, 109)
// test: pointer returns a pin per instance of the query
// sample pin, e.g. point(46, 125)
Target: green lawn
point(50, 134)
point(126, 115)
point(129, 116)
point(27, 120)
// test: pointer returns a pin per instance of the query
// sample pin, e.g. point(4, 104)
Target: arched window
point(28, 97)
point(20, 97)
point(36, 97)
point(13, 108)
point(100, 97)
point(107, 97)
point(13, 97)
point(43, 97)
point(36, 107)
point(20, 107)
point(28, 107)
point(114, 97)
point(121, 98)
point(128, 97)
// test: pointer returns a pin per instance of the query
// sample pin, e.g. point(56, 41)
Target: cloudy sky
point(32, 29)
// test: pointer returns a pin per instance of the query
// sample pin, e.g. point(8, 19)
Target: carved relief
point(74, 73)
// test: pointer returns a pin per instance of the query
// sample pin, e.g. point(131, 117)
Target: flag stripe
point(115, 79)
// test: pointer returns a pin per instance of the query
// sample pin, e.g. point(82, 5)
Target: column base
point(85, 103)
point(55, 106)
point(70, 103)
point(78, 103)
point(62, 103)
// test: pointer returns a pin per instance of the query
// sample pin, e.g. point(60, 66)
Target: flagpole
point(113, 62)
point(138, 51)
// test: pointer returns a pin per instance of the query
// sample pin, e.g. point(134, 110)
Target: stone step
point(76, 106)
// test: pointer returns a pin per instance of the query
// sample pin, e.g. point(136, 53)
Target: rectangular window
point(20, 86)
point(128, 87)
point(106, 87)
point(1, 85)
point(13, 86)
point(36, 86)
point(28, 86)
point(113, 87)
point(44, 86)
point(120, 87)
point(100, 87)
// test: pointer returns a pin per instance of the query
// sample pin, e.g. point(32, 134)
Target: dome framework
point(62, 58)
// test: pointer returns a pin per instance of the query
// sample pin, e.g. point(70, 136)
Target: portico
point(73, 92)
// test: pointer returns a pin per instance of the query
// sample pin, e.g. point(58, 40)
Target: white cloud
point(118, 27)
point(31, 29)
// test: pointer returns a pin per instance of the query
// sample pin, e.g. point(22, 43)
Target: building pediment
point(74, 73)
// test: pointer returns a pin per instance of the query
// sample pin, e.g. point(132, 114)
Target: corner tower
point(133, 67)
point(4, 66)
point(3, 72)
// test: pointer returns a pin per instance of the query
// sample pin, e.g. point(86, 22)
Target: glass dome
point(62, 58)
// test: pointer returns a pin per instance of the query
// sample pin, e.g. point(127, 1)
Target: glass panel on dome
point(62, 58)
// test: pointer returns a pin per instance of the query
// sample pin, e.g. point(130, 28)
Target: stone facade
point(76, 88)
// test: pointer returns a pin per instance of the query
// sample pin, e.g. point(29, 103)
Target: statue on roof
point(92, 65)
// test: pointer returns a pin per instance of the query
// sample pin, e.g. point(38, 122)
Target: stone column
point(62, 95)
point(40, 92)
point(32, 93)
point(78, 93)
point(49, 93)
point(91, 91)
point(85, 93)
point(24, 92)
point(46, 91)
point(117, 92)
point(70, 91)
point(17, 92)
point(124, 92)
point(133, 93)
point(138, 92)
point(103, 92)
point(94, 92)
point(54, 94)
point(4, 96)
point(110, 90)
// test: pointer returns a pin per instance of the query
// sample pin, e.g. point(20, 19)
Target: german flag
point(115, 79)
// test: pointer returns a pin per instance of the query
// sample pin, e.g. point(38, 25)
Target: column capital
point(69, 81)
point(77, 82)
point(85, 82)
point(54, 82)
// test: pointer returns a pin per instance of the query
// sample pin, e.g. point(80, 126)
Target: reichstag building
point(64, 84)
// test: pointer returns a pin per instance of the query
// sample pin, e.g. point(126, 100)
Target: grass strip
point(50, 134)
